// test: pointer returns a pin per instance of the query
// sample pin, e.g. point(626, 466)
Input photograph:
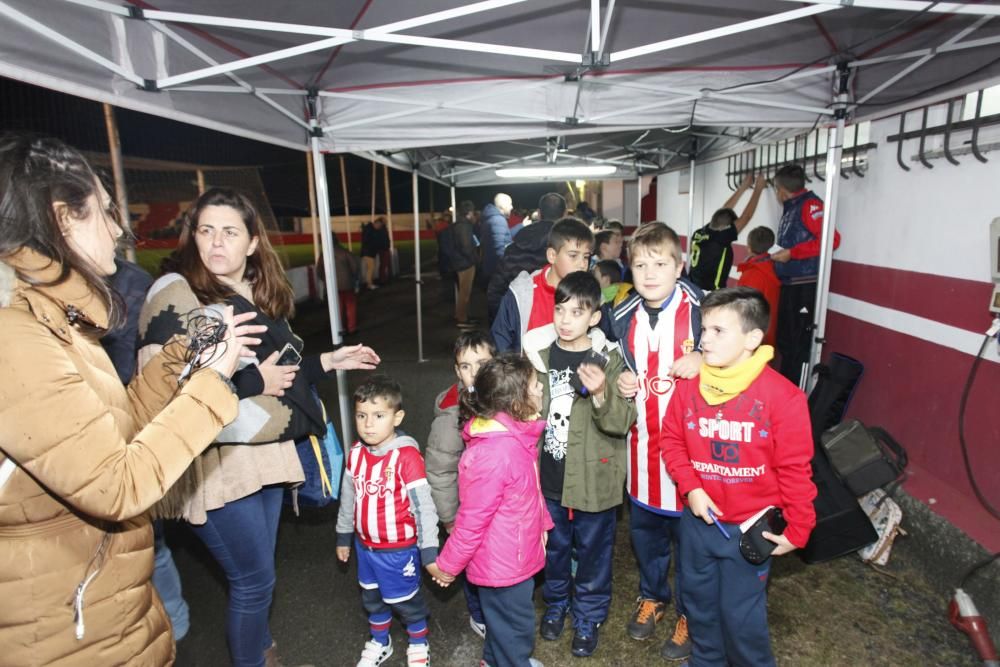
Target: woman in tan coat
point(81, 457)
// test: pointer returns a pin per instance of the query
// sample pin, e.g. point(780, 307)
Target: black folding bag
point(866, 458)
point(841, 525)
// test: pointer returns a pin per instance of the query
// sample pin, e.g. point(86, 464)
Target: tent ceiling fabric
point(393, 91)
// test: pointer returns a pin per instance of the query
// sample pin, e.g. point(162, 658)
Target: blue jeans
point(241, 536)
point(167, 582)
point(652, 534)
point(593, 536)
point(725, 597)
point(510, 624)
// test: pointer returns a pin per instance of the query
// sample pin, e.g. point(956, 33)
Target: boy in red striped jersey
point(657, 326)
point(387, 510)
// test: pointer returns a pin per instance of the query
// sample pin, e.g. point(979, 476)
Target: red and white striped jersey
point(383, 517)
point(655, 350)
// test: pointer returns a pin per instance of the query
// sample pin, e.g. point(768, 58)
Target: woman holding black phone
point(231, 494)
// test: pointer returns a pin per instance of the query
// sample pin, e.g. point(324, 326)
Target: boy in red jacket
point(736, 441)
point(758, 272)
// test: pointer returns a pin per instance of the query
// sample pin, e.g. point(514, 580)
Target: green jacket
point(595, 453)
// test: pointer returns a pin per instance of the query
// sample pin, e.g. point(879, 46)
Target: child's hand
point(593, 378)
point(545, 539)
point(441, 578)
point(628, 384)
point(343, 553)
point(688, 366)
point(782, 256)
point(700, 502)
point(784, 546)
point(449, 526)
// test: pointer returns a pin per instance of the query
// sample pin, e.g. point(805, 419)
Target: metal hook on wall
point(947, 136)
point(899, 146)
point(974, 140)
point(923, 137)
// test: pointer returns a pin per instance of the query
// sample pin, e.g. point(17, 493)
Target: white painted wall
point(927, 220)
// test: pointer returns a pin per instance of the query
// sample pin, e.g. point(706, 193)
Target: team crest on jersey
point(687, 347)
point(387, 475)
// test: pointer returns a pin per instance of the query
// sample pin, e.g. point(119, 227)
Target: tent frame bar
point(68, 43)
point(912, 6)
point(919, 63)
point(725, 31)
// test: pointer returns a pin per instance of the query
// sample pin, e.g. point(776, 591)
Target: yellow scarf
point(718, 385)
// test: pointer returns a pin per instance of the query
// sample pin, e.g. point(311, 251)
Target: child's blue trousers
point(725, 597)
point(509, 612)
point(652, 534)
point(593, 535)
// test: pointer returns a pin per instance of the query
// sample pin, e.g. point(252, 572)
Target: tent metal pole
point(416, 267)
point(638, 200)
point(118, 168)
point(388, 207)
point(330, 273)
point(312, 206)
point(347, 204)
point(454, 208)
point(834, 154)
point(691, 166)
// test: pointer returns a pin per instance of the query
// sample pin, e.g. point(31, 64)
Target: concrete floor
point(840, 613)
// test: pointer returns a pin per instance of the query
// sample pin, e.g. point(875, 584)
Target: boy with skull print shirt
point(582, 458)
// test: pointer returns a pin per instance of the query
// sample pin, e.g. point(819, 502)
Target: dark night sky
point(80, 122)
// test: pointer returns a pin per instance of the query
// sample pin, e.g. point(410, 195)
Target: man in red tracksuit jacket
point(736, 441)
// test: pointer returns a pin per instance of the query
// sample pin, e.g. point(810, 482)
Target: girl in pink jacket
point(501, 526)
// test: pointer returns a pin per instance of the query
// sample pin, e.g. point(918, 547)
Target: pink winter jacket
point(501, 517)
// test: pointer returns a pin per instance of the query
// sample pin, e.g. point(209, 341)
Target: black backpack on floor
point(842, 526)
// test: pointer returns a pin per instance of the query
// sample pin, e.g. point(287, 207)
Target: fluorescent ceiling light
point(557, 172)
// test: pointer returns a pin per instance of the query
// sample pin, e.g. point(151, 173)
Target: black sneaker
point(678, 647)
point(553, 621)
point(584, 638)
point(645, 617)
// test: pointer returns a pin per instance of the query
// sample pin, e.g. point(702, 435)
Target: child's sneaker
point(478, 628)
point(374, 654)
point(678, 647)
point(553, 621)
point(418, 655)
point(645, 617)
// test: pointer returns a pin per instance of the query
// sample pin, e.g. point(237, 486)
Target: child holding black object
point(582, 459)
point(736, 441)
point(445, 446)
point(501, 526)
point(386, 509)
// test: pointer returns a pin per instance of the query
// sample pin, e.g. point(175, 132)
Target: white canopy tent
point(451, 90)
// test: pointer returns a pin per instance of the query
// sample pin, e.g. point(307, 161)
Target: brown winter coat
point(91, 458)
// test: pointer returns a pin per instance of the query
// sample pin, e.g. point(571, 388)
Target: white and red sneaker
point(418, 655)
point(374, 654)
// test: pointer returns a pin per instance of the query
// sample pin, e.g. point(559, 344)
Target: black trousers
point(795, 327)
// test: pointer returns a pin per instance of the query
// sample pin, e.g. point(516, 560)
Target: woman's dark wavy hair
point(35, 172)
point(272, 293)
point(501, 385)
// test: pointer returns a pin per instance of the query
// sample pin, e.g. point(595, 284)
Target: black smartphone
point(592, 357)
point(753, 546)
point(289, 356)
